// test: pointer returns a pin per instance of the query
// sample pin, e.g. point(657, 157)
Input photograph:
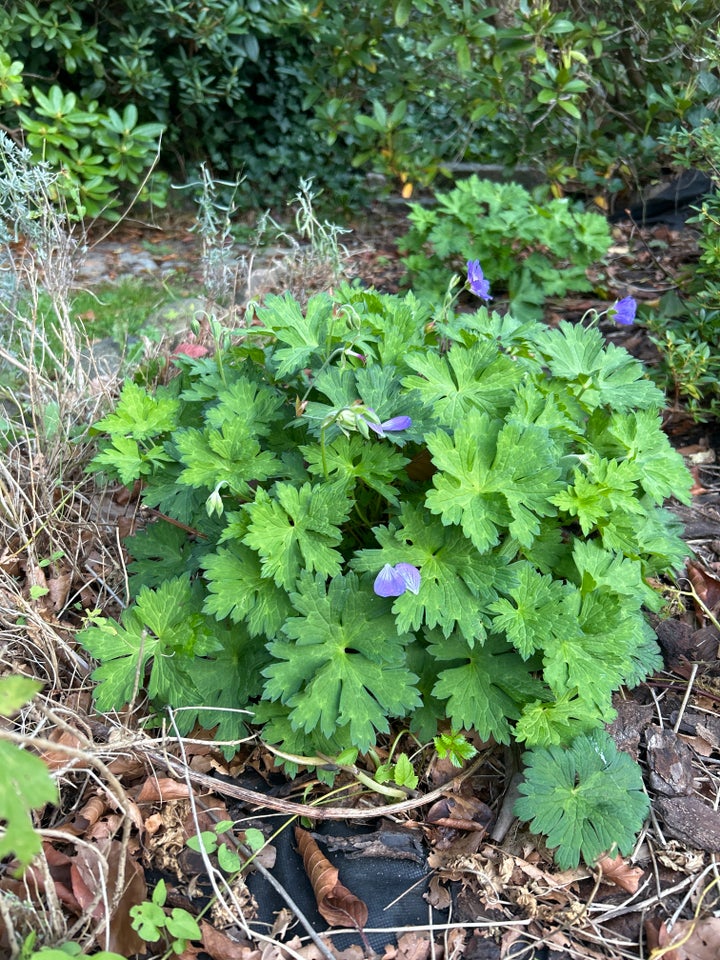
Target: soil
point(461, 878)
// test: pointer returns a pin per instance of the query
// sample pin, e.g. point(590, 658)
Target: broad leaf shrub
point(279, 89)
point(536, 249)
point(372, 513)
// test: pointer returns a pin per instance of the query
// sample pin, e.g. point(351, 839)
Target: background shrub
point(281, 88)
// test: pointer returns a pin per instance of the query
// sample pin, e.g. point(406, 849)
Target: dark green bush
point(277, 89)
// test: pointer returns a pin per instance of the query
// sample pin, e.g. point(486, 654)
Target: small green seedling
point(455, 746)
point(228, 858)
point(152, 923)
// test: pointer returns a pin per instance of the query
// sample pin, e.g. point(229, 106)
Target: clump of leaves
point(153, 923)
point(368, 513)
point(536, 249)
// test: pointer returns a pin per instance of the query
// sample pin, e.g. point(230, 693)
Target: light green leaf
point(352, 459)
point(532, 610)
point(182, 925)
point(464, 380)
point(297, 530)
point(25, 785)
point(485, 691)
point(230, 455)
point(597, 373)
point(457, 583)
point(304, 335)
point(403, 8)
point(15, 692)
point(140, 415)
point(601, 488)
point(494, 476)
point(638, 438)
point(238, 589)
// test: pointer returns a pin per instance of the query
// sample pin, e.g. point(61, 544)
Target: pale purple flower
point(476, 278)
point(623, 311)
point(393, 425)
point(394, 581)
point(411, 576)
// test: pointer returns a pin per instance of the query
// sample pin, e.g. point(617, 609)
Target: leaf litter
point(123, 815)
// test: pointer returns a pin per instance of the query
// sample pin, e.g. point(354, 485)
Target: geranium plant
point(369, 513)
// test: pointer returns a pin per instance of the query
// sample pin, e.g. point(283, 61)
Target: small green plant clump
point(537, 249)
point(371, 512)
point(686, 328)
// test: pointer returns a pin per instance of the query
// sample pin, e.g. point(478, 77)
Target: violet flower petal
point(396, 423)
point(623, 311)
point(411, 576)
point(392, 425)
point(389, 583)
point(476, 278)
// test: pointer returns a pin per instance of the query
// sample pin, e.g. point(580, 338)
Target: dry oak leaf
point(336, 904)
point(122, 938)
point(616, 870)
point(410, 946)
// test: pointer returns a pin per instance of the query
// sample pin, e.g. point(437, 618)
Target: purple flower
point(394, 581)
point(476, 278)
point(411, 576)
point(390, 426)
point(623, 311)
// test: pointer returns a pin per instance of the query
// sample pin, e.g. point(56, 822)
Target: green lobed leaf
point(597, 373)
point(352, 459)
point(160, 551)
point(230, 456)
point(296, 530)
point(464, 380)
point(600, 489)
point(457, 583)
point(638, 438)
point(238, 589)
point(532, 609)
point(494, 476)
point(140, 415)
point(165, 627)
point(305, 335)
point(486, 690)
point(346, 666)
point(587, 799)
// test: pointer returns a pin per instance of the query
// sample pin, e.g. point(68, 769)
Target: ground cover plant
point(372, 513)
point(536, 249)
point(441, 510)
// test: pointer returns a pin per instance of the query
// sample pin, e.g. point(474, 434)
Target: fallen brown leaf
point(162, 788)
point(691, 940)
point(60, 758)
point(707, 587)
point(410, 946)
point(122, 938)
point(336, 904)
point(221, 947)
point(618, 871)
